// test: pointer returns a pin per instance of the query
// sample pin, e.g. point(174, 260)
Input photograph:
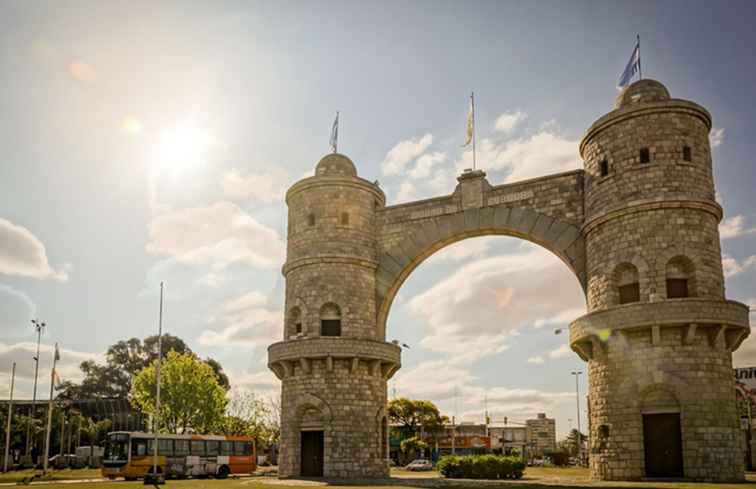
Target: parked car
point(420, 464)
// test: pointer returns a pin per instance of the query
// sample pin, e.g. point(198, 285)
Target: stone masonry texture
point(638, 226)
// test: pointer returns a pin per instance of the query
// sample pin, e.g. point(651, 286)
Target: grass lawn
point(534, 478)
point(52, 475)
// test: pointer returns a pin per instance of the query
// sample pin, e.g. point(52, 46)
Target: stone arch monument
point(638, 226)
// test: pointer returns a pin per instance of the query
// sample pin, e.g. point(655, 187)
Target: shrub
point(481, 467)
point(559, 458)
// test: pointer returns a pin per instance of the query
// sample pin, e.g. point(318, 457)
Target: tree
point(191, 397)
point(248, 414)
point(123, 361)
point(412, 448)
point(414, 416)
point(571, 442)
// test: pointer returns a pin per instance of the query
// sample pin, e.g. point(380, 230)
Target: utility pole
point(577, 402)
point(10, 415)
point(39, 326)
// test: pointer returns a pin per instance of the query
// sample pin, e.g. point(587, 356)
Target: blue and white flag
point(335, 133)
point(632, 67)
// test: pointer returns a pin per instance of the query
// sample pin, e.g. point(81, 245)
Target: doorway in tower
point(312, 453)
point(662, 443)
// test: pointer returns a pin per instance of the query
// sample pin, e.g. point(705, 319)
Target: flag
point(335, 133)
point(56, 379)
point(470, 123)
point(632, 66)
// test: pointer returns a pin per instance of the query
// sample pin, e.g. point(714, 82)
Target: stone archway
point(641, 216)
point(427, 226)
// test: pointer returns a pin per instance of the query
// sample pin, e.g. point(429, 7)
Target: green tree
point(191, 397)
point(416, 417)
point(123, 361)
point(412, 448)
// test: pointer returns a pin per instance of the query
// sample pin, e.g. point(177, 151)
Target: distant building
point(541, 434)
point(508, 439)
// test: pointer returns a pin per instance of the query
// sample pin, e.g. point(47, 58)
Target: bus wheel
point(222, 472)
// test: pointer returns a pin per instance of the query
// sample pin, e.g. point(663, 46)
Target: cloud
point(460, 385)
point(463, 250)
point(536, 360)
point(17, 308)
point(563, 351)
point(734, 227)
point(404, 152)
point(507, 121)
point(407, 192)
point(425, 164)
point(218, 234)
point(542, 153)
point(265, 187)
point(262, 383)
point(458, 312)
point(24, 255)
point(22, 353)
point(716, 136)
point(731, 266)
point(248, 320)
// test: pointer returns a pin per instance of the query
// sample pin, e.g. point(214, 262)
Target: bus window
point(150, 444)
point(247, 448)
point(198, 448)
point(213, 448)
point(139, 447)
point(181, 448)
point(165, 447)
point(227, 448)
point(239, 448)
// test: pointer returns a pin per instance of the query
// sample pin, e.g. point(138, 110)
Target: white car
point(420, 464)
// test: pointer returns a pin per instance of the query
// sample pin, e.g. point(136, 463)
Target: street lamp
point(39, 326)
point(577, 403)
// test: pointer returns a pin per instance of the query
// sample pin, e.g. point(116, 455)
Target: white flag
point(470, 123)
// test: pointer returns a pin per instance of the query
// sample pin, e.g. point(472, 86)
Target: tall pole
point(577, 403)
point(472, 102)
point(640, 72)
point(50, 411)
point(156, 420)
point(8, 423)
point(39, 326)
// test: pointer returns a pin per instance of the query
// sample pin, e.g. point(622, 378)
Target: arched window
point(330, 320)
point(295, 321)
point(628, 287)
point(680, 276)
point(311, 219)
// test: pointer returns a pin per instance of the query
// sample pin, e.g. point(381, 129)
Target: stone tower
point(659, 333)
point(333, 363)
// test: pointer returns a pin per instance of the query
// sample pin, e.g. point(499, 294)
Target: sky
point(147, 141)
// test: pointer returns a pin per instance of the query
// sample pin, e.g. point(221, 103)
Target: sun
point(183, 148)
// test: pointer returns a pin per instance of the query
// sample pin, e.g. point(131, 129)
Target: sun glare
point(183, 148)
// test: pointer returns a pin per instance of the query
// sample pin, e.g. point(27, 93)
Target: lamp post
point(39, 326)
point(577, 403)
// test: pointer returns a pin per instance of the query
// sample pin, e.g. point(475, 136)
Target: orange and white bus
point(129, 454)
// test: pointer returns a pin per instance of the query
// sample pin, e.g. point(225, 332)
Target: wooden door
point(312, 453)
point(662, 442)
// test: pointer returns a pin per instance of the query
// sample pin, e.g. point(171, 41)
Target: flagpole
point(640, 72)
point(10, 415)
point(156, 425)
point(472, 101)
point(49, 411)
